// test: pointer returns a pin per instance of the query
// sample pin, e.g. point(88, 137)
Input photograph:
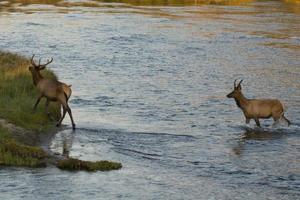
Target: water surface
point(149, 85)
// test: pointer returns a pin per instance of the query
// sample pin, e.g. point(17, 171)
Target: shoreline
point(25, 136)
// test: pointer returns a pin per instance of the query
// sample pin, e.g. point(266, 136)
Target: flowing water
point(149, 90)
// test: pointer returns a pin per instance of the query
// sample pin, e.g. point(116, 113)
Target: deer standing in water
point(257, 108)
point(52, 90)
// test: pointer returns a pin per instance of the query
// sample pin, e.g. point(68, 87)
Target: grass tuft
point(73, 164)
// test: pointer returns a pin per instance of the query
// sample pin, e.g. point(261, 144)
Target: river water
point(149, 90)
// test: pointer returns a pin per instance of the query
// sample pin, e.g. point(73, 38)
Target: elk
point(52, 90)
point(257, 108)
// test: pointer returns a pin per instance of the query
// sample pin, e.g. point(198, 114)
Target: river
point(149, 90)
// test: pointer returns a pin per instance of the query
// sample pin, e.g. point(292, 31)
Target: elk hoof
point(73, 126)
point(58, 125)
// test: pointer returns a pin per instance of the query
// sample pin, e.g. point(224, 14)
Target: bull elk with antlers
point(257, 108)
point(52, 90)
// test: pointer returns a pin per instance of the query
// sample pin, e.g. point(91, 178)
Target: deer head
point(237, 90)
point(38, 67)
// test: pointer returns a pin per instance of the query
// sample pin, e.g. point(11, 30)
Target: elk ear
point(41, 68)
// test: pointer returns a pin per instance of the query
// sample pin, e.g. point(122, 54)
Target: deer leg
point(247, 120)
point(37, 102)
point(71, 116)
point(288, 121)
point(66, 107)
point(257, 122)
point(62, 117)
point(276, 121)
point(47, 111)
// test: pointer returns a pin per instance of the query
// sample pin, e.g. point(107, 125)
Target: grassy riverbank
point(18, 95)
point(20, 127)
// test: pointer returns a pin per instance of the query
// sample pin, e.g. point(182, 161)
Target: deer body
point(52, 90)
point(258, 108)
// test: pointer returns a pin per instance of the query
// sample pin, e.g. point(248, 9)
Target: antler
point(234, 84)
point(41, 66)
point(48, 62)
point(32, 61)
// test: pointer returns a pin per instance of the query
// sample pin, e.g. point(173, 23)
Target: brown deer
point(257, 108)
point(52, 90)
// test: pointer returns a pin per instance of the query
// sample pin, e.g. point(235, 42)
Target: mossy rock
point(73, 164)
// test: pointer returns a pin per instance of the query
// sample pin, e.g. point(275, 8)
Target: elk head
point(237, 90)
point(38, 67)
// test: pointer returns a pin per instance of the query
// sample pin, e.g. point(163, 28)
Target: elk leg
point(257, 122)
point(247, 120)
point(63, 101)
point(276, 121)
point(288, 121)
point(37, 102)
point(47, 111)
point(71, 116)
point(62, 117)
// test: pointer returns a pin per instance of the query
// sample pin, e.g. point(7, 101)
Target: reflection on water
point(62, 143)
point(256, 134)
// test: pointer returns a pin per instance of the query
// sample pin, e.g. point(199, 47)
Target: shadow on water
point(253, 136)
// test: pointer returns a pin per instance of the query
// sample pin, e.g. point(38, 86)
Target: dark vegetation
point(72, 164)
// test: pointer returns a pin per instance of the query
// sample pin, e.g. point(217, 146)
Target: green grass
point(18, 95)
point(13, 153)
point(72, 164)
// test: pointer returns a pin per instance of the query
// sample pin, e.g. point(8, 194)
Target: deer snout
point(230, 95)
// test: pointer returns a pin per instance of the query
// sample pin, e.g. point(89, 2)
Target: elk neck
point(241, 101)
point(37, 77)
